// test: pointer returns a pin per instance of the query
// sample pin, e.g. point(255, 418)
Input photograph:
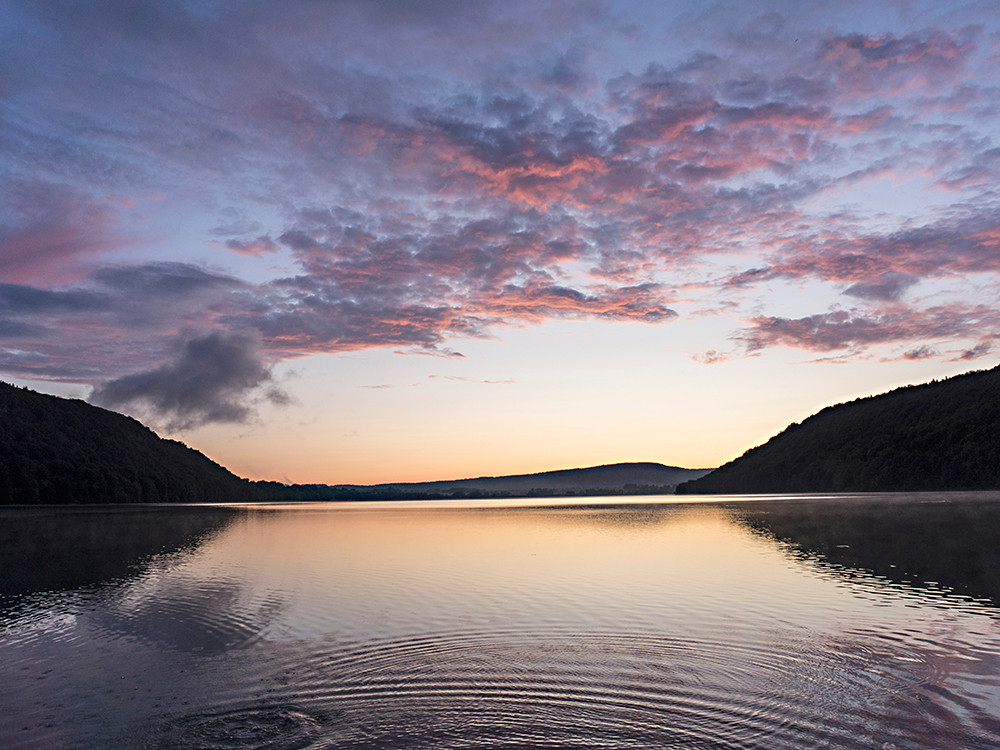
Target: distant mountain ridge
point(942, 435)
point(613, 477)
point(66, 451)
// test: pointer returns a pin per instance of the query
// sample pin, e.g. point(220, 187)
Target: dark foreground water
point(789, 623)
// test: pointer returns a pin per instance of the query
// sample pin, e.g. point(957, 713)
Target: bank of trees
point(56, 450)
point(943, 435)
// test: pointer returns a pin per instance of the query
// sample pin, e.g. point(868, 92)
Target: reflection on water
point(944, 541)
point(612, 625)
point(47, 548)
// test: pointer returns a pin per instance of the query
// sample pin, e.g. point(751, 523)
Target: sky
point(361, 241)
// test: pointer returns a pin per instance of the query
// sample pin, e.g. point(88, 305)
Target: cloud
point(208, 382)
point(23, 299)
point(424, 283)
point(263, 245)
point(883, 266)
point(979, 350)
point(113, 322)
point(982, 170)
point(47, 230)
point(920, 352)
point(532, 302)
point(889, 286)
point(13, 329)
point(891, 63)
point(167, 279)
point(855, 329)
point(428, 173)
point(710, 357)
point(463, 379)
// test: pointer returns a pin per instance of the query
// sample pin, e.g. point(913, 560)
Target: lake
point(794, 622)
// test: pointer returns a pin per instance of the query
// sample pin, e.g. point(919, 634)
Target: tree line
point(64, 451)
point(57, 450)
point(942, 435)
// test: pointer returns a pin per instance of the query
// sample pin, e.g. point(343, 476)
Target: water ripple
point(514, 689)
point(273, 728)
point(210, 617)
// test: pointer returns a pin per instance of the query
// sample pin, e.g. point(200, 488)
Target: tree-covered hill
point(628, 478)
point(57, 450)
point(943, 435)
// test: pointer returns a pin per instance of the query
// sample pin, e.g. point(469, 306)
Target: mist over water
point(606, 624)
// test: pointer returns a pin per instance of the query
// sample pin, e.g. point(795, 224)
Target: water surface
point(654, 624)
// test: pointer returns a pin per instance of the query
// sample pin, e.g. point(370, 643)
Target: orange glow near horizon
point(432, 419)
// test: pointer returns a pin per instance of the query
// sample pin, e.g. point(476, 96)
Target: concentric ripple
point(350, 630)
point(249, 729)
point(510, 689)
point(210, 616)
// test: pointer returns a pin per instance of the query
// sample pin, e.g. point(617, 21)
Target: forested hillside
point(624, 478)
point(56, 450)
point(943, 435)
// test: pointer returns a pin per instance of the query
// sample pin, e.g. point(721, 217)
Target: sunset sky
point(358, 241)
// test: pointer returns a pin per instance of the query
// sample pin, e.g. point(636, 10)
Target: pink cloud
point(429, 193)
point(891, 64)
point(885, 265)
point(710, 357)
point(263, 245)
point(842, 329)
point(536, 303)
point(55, 230)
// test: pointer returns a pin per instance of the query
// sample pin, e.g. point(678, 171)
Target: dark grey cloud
point(169, 279)
point(210, 381)
point(569, 72)
point(114, 321)
point(28, 300)
point(167, 295)
point(979, 350)
point(888, 286)
point(921, 352)
point(12, 329)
